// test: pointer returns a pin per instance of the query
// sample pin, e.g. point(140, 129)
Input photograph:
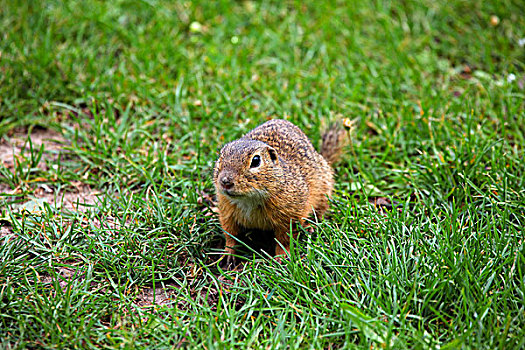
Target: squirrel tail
point(334, 139)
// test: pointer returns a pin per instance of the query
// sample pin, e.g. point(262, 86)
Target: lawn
point(111, 117)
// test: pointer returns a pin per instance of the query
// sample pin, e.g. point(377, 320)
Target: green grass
point(145, 96)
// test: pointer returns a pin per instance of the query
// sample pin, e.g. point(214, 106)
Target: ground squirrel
point(273, 176)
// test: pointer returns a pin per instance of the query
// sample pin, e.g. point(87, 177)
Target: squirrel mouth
point(231, 193)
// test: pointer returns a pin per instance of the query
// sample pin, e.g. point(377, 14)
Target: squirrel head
point(246, 169)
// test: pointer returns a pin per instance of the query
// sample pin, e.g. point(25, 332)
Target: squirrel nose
point(226, 182)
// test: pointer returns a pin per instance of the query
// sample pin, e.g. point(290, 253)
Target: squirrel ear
point(273, 154)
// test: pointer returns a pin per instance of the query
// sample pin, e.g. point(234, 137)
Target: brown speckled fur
point(291, 183)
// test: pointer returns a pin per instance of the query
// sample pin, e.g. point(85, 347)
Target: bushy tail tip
point(334, 140)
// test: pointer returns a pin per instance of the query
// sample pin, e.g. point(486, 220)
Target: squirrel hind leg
point(318, 207)
point(282, 236)
point(282, 249)
point(321, 208)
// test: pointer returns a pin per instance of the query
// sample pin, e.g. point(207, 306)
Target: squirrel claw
point(227, 262)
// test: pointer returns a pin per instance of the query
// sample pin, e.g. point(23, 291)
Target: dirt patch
point(4, 188)
point(5, 231)
point(5, 227)
point(64, 274)
point(14, 147)
point(168, 296)
point(17, 145)
point(160, 296)
point(82, 197)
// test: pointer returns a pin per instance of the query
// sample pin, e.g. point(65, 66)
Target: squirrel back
point(285, 136)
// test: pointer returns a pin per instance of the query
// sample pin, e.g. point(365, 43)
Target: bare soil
point(79, 197)
point(13, 148)
point(158, 296)
point(17, 144)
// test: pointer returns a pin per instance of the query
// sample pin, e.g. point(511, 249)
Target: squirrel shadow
point(256, 241)
point(250, 242)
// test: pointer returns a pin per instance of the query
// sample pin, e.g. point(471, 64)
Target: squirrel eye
point(256, 161)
